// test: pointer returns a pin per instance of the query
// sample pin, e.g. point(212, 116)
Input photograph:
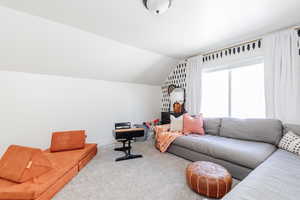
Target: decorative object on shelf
point(157, 7)
point(177, 100)
point(177, 107)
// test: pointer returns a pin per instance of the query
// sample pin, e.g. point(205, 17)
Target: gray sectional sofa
point(248, 149)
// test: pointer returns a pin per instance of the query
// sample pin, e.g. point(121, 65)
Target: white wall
point(33, 105)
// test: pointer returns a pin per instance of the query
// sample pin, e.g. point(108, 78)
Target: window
point(237, 92)
point(215, 94)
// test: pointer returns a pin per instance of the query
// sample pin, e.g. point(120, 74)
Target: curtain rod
point(236, 45)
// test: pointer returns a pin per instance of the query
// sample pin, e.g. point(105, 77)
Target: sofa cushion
point(290, 142)
point(193, 124)
point(245, 153)
point(67, 140)
point(277, 179)
point(176, 123)
point(261, 130)
point(292, 127)
point(212, 126)
point(19, 164)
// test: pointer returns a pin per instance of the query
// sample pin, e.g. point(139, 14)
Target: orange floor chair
point(32, 174)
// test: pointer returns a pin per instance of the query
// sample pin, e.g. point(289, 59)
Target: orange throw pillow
point(193, 124)
point(20, 164)
point(67, 140)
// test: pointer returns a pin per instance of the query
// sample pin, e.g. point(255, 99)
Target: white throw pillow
point(290, 142)
point(176, 123)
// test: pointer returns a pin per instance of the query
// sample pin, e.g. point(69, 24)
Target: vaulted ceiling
point(36, 45)
point(188, 28)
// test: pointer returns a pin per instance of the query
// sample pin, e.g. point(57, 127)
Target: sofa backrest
point(212, 126)
point(292, 127)
point(261, 130)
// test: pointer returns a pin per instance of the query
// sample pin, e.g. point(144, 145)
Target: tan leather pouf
point(208, 179)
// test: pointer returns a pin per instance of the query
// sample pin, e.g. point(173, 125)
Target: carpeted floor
point(156, 176)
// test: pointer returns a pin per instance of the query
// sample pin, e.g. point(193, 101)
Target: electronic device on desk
point(122, 125)
point(125, 134)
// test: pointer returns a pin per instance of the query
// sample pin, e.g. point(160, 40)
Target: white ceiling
point(189, 27)
point(36, 45)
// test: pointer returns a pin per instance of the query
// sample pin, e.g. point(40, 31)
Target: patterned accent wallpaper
point(176, 77)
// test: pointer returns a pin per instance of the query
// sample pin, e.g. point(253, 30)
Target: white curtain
point(282, 76)
point(194, 85)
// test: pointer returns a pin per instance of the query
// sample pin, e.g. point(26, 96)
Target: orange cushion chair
point(65, 166)
point(67, 155)
point(20, 164)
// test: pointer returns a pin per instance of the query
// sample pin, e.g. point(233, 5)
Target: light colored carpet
point(156, 176)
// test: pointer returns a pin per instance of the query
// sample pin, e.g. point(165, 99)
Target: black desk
point(126, 135)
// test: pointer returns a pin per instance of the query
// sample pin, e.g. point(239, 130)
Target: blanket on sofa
point(164, 137)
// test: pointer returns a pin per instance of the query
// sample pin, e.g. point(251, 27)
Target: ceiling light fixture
point(157, 6)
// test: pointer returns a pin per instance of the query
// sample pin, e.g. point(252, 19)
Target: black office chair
point(118, 126)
